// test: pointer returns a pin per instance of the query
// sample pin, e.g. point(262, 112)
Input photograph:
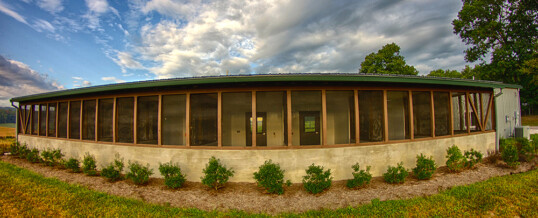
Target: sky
point(48, 45)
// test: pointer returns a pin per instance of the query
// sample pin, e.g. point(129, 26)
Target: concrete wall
point(507, 112)
point(294, 161)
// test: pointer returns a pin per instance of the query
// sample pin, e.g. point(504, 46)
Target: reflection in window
point(147, 119)
point(74, 120)
point(305, 105)
point(422, 117)
point(43, 119)
point(35, 119)
point(271, 107)
point(442, 113)
point(340, 117)
point(88, 120)
point(173, 119)
point(236, 116)
point(52, 120)
point(459, 112)
point(62, 119)
point(105, 119)
point(485, 104)
point(125, 119)
point(203, 119)
point(371, 120)
point(398, 115)
point(474, 100)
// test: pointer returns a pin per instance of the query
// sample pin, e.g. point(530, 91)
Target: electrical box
point(523, 132)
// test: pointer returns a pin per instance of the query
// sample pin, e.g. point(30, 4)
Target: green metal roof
point(303, 77)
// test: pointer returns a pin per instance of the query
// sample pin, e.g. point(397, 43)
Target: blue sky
point(47, 45)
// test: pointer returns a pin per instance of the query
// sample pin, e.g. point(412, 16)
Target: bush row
point(517, 150)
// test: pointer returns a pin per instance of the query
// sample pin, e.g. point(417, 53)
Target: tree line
point(7, 115)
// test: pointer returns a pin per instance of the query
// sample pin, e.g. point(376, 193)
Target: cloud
point(96, 8)
point(42, 25)
point(80, 82)
point(6, 10)
point(125, 60)
point(52, 6)
point(17, 79)
point(113, 79)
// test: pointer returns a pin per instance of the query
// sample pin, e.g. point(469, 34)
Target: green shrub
point(52, 157)
point(113, 171)
point(271, 177)
point(89, 166)
point(173, 178)
point(509, 153)
point(395, 174)
point(425, 167)
point(360, 177)
point(455, 160)
point(472, 157)
point(526, 148)
point(216, 174)
point(139, 174)
point(19, 150)
point(73, 164)
point(33, 156)
point(317, 180)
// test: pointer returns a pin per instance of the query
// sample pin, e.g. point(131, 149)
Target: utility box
point(523, 132)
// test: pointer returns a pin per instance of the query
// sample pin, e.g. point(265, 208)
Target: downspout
point(497, 120)
point(16, 122)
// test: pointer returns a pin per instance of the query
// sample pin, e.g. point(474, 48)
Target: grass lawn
point(531, 120)
point(24, 193)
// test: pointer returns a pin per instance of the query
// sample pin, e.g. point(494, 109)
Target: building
point(333, 120)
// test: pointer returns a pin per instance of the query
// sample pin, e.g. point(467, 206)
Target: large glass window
point(147, 121)
point(88, 120)
point(125, 120)
point(442, 113)
point(271, 119)
point(474, 111)
point(371, 121)
point(105, 120)
point(485, 104)
point(422, 116)
point(25, 116)
point(43, 119)
point(203, 119)
point(236, 119)
point(173, 119)
point(340, 117)
point(62, 119)
point(306, 117)
point(459, 112)
point(52, 120)
point(35, 119)
point(74, 120)
point(398, 115)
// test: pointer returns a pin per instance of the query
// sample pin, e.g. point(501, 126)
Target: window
point(52, 120)
point(74, 120)
point(442, 113)
point(306, 117)
point(485, 105)
point(236, 119)
point(88, 120)
point(105, 120)
point(203, 119)
point(474, 111)
point(147, 121)
point(43, 119)
point(35, 119)
point(371, 121)
point(271, 117)
point(62, 119)
point(173, 120)
point(422, 116)
point(398, 115)
point(459, 112)
point(124, 120)
point(340, 117)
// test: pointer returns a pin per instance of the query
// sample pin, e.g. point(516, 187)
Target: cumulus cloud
point(80, 82)
point(125, 60)
point(17, 79)
point(113, 79)
point(96, 8)
point(52, 6)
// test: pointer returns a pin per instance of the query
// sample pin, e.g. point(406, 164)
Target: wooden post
point(411, 116)
point(96, 134)
point(385, 116)
point(219, 119)
point(467, 115)
point(254, 117)
point(68, 119)
point(114, 124)
point(324, 117)
point(47, 120)
point(288, 105)
point(159, 122)
point(357, 120)
point(433, 113)
point(187, 119)
point(135, 120)
point(57, 118)
point(80, 120)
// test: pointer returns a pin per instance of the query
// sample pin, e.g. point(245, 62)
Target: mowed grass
point(531, 120)
point(24, 193)
point(5, 143)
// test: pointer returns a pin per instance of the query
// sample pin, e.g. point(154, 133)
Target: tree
point(387, 61)
point(445, 73)
point(507, 32)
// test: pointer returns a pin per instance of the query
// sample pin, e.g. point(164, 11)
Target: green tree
point(507, 32)
point(387, 61)
point(445, 73)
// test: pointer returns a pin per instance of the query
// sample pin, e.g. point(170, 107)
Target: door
point(309, 127)
point(261, 128)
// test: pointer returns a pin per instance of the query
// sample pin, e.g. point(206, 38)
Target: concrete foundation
point(294, 161)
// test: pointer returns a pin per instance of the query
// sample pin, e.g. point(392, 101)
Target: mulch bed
point(250, 198)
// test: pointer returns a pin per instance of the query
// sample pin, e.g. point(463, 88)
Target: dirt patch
point(250, 198)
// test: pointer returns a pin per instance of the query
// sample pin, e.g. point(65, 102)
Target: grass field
point(9, 125)
point(7, 131)
point(24, 193)
point(531, 120)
